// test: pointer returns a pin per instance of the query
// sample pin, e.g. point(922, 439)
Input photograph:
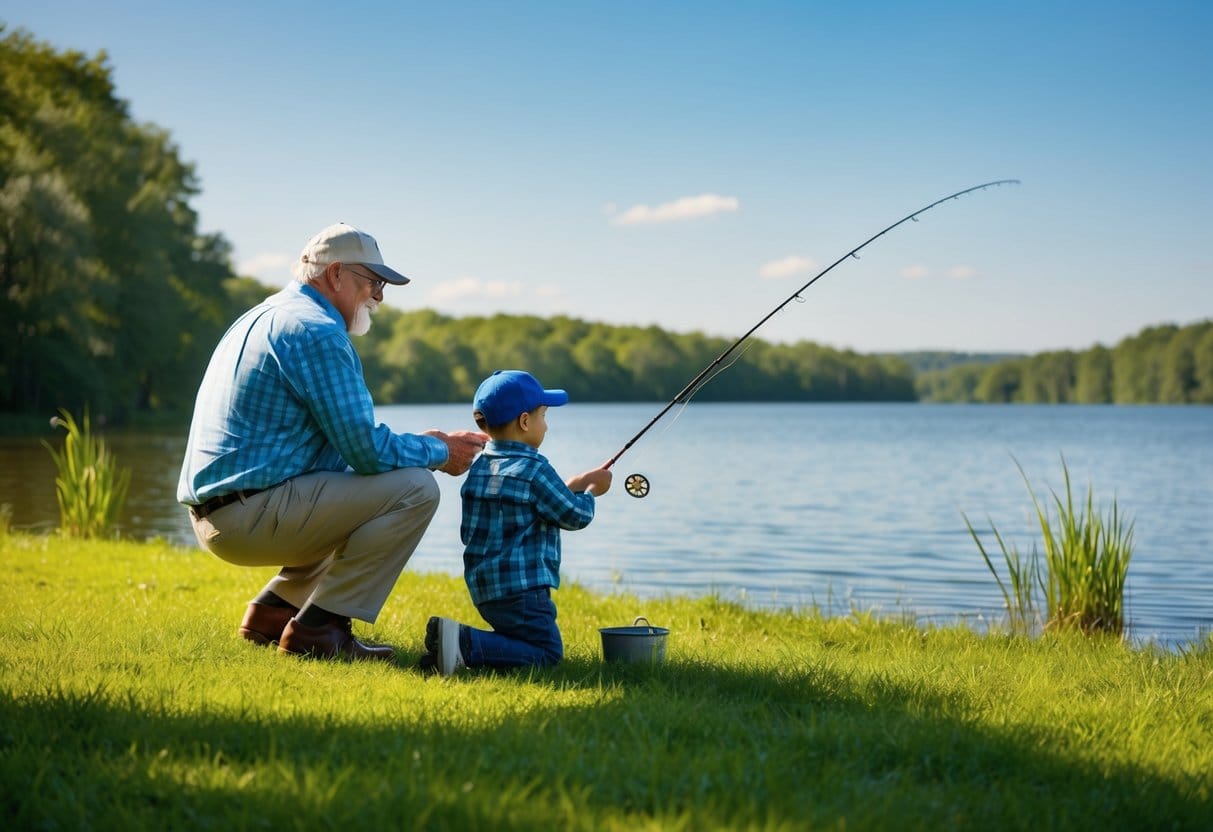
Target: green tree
point(1177, 382)
point(599, 376)
point(110, 294)
point(1093, 376)
point(1000, 383)
point(1048, 377)
point(954, 384)
point(52, 334)
point(1202, 365)
point(657, 366)
point(1137, 365)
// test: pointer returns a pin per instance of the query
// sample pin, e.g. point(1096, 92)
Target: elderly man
point(287, 467)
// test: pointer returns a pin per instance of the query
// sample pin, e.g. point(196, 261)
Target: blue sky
point(691, 164)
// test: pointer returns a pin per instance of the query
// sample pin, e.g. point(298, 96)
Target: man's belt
point(215, 503)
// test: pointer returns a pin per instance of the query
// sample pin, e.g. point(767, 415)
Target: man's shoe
point(442, 641)
point(264, 624)
point(334, 640)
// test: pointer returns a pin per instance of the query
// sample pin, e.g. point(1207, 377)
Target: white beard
point(362, 319)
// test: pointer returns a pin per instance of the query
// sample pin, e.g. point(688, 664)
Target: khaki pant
point(342, 539)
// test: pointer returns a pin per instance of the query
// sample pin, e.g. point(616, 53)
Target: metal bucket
point(635, 644)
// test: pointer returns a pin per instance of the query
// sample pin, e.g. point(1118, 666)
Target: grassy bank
point(128, 702)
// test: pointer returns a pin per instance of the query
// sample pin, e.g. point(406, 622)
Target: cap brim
point(387, 273)
point(554, 398)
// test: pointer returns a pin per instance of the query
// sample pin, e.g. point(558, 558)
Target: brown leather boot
point(264, 624)
point(334, 640)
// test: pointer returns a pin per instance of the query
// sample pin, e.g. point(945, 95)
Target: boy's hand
point(596, 482)
point(462, 447)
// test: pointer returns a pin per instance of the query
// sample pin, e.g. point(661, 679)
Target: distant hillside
point(1164, 364)
point(922, 362)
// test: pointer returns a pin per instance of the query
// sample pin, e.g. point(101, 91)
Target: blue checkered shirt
point(514, 506)
point(284, 395)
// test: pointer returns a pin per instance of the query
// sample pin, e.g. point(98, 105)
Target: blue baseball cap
point(507, 394)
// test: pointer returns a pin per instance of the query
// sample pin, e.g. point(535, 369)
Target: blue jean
point(524, 632)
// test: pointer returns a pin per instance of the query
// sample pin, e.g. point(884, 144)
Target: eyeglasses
point(377, 283)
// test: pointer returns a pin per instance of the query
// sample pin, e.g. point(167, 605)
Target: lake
point(846, 506)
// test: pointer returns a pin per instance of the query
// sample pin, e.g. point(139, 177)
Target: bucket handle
point(640, 618)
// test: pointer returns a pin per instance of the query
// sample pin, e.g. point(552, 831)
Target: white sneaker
point(448, 658)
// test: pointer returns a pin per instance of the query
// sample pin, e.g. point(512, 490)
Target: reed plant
point(90, 486)
point(1080, 579)
point(1023, 578)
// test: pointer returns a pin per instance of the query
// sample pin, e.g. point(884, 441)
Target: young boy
point(514, 506)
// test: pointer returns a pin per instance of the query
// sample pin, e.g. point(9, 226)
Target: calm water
point(839, 505)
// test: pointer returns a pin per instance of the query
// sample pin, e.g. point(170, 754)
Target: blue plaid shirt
point(284, 395)
point(514, 506)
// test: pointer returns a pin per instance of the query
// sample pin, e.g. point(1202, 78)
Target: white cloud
point(471, 295)
point(962, 272)
point(915, 272)
point(472, 288)
point(787, 267)
point(266, 265)
point(686, 208)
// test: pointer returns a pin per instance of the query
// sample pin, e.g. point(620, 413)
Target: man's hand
point(462, 447)
point(597, 482)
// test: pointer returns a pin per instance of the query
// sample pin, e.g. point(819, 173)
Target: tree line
point(1165, 364)
point(423, 356)
point(111, 298)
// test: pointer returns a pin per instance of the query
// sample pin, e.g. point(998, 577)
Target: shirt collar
point(508, 447)
point(320, 300)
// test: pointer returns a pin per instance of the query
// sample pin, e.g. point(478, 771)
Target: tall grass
point(1080, 580)
point(1023, 578)
point(90, 486)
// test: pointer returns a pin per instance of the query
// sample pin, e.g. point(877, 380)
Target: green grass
point(128, 702)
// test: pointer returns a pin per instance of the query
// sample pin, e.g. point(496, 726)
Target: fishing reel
point(637, 485)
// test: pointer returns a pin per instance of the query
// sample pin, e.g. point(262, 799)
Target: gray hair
point(306, 272)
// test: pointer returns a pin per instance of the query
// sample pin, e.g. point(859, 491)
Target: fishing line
point(637, 484)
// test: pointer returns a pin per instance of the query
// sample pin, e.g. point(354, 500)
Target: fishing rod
point(637, 484)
